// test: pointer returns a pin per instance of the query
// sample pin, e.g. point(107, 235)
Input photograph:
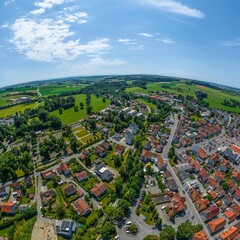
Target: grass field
point(48, 90)
point(215, 97)
point(82, 133)
point(69, 116)
point(18, 108)
point(151, 105)
point(87, 138)
point(5, 100)
point(79, 128)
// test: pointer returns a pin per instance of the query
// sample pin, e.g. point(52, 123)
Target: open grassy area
point(69, 116)
point(215, 97)
point(151, 105)
point(18, 108)
point(87, 138)
point(52, 89)
point(79, 128)
point(82, 133)
point(6, 100)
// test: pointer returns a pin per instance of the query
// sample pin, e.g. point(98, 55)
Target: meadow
point(51, 89)
point(149, 104)
point(69, 116)
point(215, 97)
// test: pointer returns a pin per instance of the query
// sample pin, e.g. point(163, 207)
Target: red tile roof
point(98, 189)
point(81, 207)
point(200, 236)
point(235, 148)
point(230, 233)
point(8, 207)
point(217, 224)
point(230, 215)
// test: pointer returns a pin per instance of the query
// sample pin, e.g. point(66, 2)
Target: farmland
point(69, 116)
point(48, 90)
point(215, 97)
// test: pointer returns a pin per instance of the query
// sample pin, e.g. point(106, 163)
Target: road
point(189, 203)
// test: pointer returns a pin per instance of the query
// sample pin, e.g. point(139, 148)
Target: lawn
point(88, 184)
point(5, 100)
point(87, 138)
point(215, 97)
point(149, 104)
point(79, 128)
point(55, 89)
point(18, 108)
point(69, 116)
point(82, 133)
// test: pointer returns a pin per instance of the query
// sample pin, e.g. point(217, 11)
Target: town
point(147, 166)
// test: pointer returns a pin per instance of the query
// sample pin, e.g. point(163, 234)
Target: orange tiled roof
point(230, 215)
point(7, 207)
point(200, 236)
point(230, 233)
point(235, 148)
point(217, 224)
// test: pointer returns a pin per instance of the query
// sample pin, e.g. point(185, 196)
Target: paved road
point(189, 202)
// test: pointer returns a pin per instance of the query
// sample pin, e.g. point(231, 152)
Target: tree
point(168, 233)
point(89, 110)
point(133, 228)
point(60, 211)
point(76, 108)
point(185, 231)
point(81, 105)
point(103, 99)
point(60, 111)
point(151, 237)
point(107, 230)
point(158, 222)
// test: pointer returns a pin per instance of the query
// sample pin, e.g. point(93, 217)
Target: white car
point(128, 223)
point(117, 237)
point(163, 207)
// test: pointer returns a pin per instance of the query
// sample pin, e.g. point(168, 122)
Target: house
point(187, 167)
point(177, 205)
point(200, 236)
point(9, 207)
point(100, 151)
point(29, 182)
point(99, 189)
point(196, 166)
point(213, 195)
point(102, 171)
point(106, 146)
point(214, 159)
point(236, 209)
point(130, 139)
point(235, 175)
point(212, 183)
point(227, 199)
point(209, 213)
point(219, 176)
point(147, 145)
point(217, 224)
point(65, 228)
point(82, 176)
point(230, 234)
point(231, 155)
point(134, 128)
point(81, 207)
point(48, 174)
point(194, 194)
point(203, 176)
point(201, 204)
point(85, 153)
point(47, 196)
point(24, 207)
point(237, 195)
point(155, 158)
point(69, 152)
point(230, 215)
point(70, 190)
point(220, 192)
point(232, 187)
point(120, 149)
point(199, 153)
point(224, 166)
point(172, 185)
point(16, 186)
point(4, 191)
point(64, 169)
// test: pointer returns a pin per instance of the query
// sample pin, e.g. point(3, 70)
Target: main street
point(189, 202)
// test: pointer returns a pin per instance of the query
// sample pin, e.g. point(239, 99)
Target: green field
point(87, 138)
point(48, 90)
point(151, 105)
point(6, 100)
point(82, 133)
point(18, 108)
point(69, 116)
point(215, 97)
point(79, 128)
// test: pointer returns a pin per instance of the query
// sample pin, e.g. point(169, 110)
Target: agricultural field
point(151, 105)
point(6, 100)
point(18, 108)
point(215, 97)
point(69, 116)
point(50, 89)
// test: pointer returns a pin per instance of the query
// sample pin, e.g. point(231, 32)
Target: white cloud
point(100, 62)
point(5, 25)
point(126, 41)
point(9, 2)
point(80, 17)
point(48, 40)
point(38, 11)
point(166, 40)
point(175, 7)
point(146, 35)
point(231, 43)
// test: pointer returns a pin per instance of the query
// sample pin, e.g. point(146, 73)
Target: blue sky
point(42, 39)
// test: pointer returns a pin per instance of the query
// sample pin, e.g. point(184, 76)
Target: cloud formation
point(48, 40)
point(166, 40)
point(231, 43)
point(175, 7)
point(148, 35)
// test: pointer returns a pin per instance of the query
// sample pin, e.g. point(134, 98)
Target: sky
point(44, 39)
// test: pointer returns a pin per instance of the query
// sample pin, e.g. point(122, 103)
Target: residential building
point(209, 213)
point(9, 207)
point(102, 171)
point(65, 228)
point(82, 176)
point(64, 169)
point(100, 151)
point(81, 207)
point(48, 174)
point(230, 215)
point(200, 236)
point(230, 234)
point(47, 196)
point(216, 225)
point(70, 189)
point(4, 191)
point(99, 189)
